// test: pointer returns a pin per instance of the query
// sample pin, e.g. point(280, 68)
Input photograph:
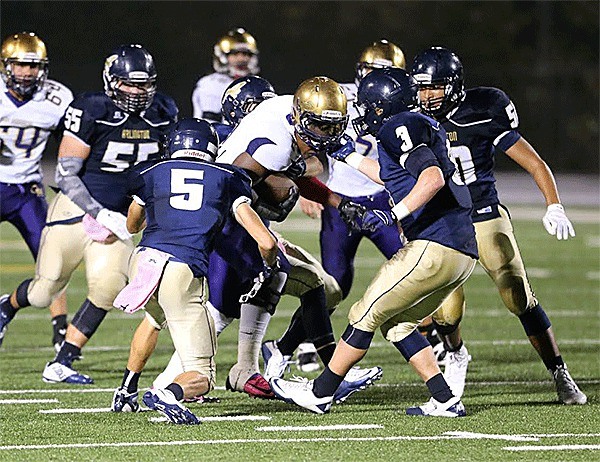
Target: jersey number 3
point(186, 189)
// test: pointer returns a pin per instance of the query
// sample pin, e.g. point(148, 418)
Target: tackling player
point(440, 254)
point(106, 134)
point(31, 107)
point(478, 121)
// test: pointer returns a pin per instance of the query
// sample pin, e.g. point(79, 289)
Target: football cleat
point(124, 402)
point(440, 354)
point(59, 373)
point(202, 399)
point(432, 408)
point(6, 315)
point(355, 380)
point(566, 388)
point(299, 391)
point(256, 387)
point(308, 359)
point(455, 371)
point(275, 362)
point(164, 401)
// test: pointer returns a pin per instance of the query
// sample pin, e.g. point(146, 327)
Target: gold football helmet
point(26, 48)
point(319, 113)
point(236, 40)
point(379, 55)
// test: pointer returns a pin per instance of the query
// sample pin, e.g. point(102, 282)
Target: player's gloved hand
point(374, 219)
point(296, 169)
point(278, 212)
point(556, 222)
point(352, 213)
point(263, 279)
point(115, 221)
point(345, 148)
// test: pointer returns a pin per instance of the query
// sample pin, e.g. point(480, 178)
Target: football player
point(478, 121)
point(31, 107)
point(106, 134)
point(440, 254)
point(182, 217)
point(235, 55)
point(339, 242)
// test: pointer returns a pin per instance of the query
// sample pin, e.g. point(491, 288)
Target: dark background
point(543, 54)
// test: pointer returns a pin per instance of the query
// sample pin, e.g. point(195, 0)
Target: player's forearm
point(365, 165)
point(249, 219)
point(430, 181)
point(314, 190)
point(70, 184)
point(136, 218)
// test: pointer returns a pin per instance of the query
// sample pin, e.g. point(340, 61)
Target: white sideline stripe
point(562, 341)
point(27, 401)
point(219, 418)
point(71, 390)
point(444, 436)
point(83, 410)
point(560, 447)
point(318, 428)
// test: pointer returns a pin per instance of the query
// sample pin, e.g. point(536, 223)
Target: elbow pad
point(70, 184)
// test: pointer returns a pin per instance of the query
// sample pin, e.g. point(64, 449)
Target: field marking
point(219, 418)
point(559, 447)
point(319, 428)
point(443, 436)
point(82, 410)
point(27, 401)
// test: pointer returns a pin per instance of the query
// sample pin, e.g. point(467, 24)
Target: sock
point(554, 363)
point(293, 336)
point(176, 390)
point(254, 321)
point(67, 354)
point(325, 347)
point(326, 383)
point(439, 389)
point(59, 327)
point(130, 381)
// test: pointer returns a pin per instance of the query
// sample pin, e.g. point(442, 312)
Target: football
point(275, 189)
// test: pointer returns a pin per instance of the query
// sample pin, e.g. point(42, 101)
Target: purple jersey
point(408, 144)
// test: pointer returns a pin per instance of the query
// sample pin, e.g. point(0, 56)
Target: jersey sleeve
point(505, 120)
point(79, 119)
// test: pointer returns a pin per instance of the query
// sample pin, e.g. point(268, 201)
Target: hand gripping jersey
point(24, 130)
point(118, 140)
point(403, 155)
point(187, 203)
point(485, 120)
point(344, 179)
point(206, 98)
point(267, 134)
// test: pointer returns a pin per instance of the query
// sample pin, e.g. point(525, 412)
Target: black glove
point(296, 169)
point(352, 213)
point(277, 212)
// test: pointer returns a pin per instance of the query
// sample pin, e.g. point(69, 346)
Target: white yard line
point(27, 401)
point(559, 447)
point(318, 428)
point(219, 418)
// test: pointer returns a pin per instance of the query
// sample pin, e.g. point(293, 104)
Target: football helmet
point(133, 66)
point(236, 40)
point(319, 113)
point(26, 48)
point(439, 66)
point(192, 139)
point(379, 55)
point(242, 96)
point(382, 94)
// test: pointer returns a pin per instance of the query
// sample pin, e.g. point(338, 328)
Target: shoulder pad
point(96, 105)
point(164, 107)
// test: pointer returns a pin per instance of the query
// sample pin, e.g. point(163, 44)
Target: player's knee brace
point(22, 299)
point(268, 296)
point(445, 329)
point(357, 338)
point(88, 318)
point(535, 321)
point(411, 344)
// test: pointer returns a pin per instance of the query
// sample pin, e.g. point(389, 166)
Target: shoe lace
point(563, 378)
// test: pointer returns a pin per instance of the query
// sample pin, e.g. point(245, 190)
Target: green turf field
point(510, 399)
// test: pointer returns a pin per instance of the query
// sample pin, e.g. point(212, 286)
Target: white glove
point(115, 221)
point(556, 222)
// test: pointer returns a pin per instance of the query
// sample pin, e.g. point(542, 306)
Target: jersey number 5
point(187, 192)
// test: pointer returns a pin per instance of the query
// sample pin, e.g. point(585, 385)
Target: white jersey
point(267, 134)
point(25, 128)
point(208, 93)
point(344, 179)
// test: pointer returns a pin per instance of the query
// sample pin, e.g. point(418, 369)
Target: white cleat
point(275, 362)
point(455, 371)
point(566, 388)
point(299, 391)
point(432, 408)
point(308, 359)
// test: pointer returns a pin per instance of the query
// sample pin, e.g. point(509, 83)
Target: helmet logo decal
point(235, 90)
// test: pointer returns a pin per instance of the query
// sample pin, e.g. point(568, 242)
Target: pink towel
point(150, 265)
point(95, 230)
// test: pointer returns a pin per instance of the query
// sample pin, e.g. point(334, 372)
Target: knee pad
point(535, 321)
point(268, 296)
point(411, 344)
point(444, 329)
point(22, 290)
point(357, 338)
point(88, 318)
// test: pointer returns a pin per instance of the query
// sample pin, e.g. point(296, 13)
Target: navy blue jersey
point(408, 144)
point(484, 120)
point(223, 130)
point(187, 203)
point(118, 141)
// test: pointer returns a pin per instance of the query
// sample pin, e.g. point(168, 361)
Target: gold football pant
point(409, 287)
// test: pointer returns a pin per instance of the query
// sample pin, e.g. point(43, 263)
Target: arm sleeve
point(313, 189)
point(70, 184)
point(505, 120)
